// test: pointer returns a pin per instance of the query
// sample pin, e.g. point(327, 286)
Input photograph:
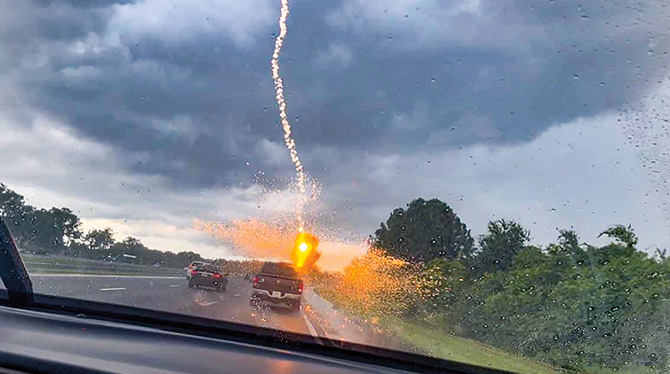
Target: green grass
point(440, 344)
point(446, 346)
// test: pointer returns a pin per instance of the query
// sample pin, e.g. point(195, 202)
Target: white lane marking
point(207, 303)
point(174, 285)
point(237, 295)
point(100, 276)
point(113, 289)
point(310, 327)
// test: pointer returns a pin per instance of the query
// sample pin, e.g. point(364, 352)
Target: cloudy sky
point(147, 115)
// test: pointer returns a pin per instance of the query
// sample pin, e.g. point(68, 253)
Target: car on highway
point(192, 266)
point(208, 275)
point(55, 334)
point(277, 283)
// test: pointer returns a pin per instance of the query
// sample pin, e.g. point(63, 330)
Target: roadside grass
point(440, 344)
point(443, 345)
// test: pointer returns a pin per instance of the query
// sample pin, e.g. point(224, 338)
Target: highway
point(173, 295)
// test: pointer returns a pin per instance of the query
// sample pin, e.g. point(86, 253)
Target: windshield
point(474, 180)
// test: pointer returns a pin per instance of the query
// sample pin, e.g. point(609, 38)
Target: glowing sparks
point(305, 252)
point(254, 238)
point(281, 103)
point(375, 285)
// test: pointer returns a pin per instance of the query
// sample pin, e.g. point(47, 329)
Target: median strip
point(69, 275)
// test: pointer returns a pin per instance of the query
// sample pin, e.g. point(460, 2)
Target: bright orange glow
point(304, 251)
point(254, 238)
point(375, 284)
point(274, 239)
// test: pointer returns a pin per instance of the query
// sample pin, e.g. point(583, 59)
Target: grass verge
point(446, 346)
point(440, 344)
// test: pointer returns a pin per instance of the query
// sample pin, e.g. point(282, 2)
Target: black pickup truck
point(277, 284)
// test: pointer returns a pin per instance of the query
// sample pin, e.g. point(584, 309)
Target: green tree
point(424, 231)
point(16, 214)
point(498, 247)
point(45, 236)
point(12, 204)
point(67, 223)
point(622, 234)
point(568, 250)
point(568, 239)
point(130, 250)
point(100, 241)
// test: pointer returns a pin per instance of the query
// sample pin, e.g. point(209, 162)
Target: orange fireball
point(304, 253)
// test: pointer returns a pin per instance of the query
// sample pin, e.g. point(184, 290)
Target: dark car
point(207, 275)
point(277, 284)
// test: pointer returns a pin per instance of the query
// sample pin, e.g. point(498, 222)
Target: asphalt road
point(173, 295)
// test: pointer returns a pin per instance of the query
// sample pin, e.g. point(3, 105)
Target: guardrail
point(36, 266)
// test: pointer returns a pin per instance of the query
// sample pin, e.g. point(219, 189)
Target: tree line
point(577, 306)
point(57, 231)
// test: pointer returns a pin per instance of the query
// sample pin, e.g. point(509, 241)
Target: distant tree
point(621, 233)
point(129, 250)
point(16, 214)
point(45, 236)
point(58, 231)
point(498, 247)
point(568, 239)
point(100, 240)
point(67, 223)
point(424, 231)
point(568, 249)
point(11, 203)
point(39, 230)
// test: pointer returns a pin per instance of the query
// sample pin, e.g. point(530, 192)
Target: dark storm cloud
point(194, 106)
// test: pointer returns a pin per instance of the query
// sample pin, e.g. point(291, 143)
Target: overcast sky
point(147, 115)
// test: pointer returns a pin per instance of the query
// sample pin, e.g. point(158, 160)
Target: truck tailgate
point(271, 282)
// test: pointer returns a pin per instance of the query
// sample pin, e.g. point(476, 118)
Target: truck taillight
point(255, 281)
point(194, 272)
point(217, 275)
point(300, 287)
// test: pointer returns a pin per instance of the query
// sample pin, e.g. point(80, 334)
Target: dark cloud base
point(581, 61)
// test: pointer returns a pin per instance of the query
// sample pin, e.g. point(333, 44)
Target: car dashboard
point(40, 342)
